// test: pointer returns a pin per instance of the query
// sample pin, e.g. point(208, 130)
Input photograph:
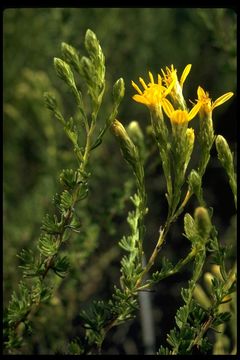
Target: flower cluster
point(165, 97)
point(154, 96)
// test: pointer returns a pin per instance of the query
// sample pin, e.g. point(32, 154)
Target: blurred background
point(35, 149)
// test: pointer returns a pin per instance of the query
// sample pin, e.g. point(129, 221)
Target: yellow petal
point(200, 92)
point(169, 89)
point(222, 99)
point(141, 99)
point(163, 73)
point(136, 88)
point(167, 107)
point(194, 111)
point(159, 79)
point(185, 74)
point(151, 77)
point(143, 83)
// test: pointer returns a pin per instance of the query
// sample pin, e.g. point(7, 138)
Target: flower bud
point(201, 297)
point(224, 152)
point(50, 101)
point(64, 71)
point(190, 136)
point(206, 131)
point(91, 43)
point(208, 277)
point(51, 104)
point(215, 269)
point(118, 90)
point(128, 148)
point(195, 182)
point(135, 131)
point(203, 222)
point(70, 55)
point(136, 135)
point(87, 69)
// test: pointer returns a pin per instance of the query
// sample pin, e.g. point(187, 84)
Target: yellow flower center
point(170, 75)
point(153, 93)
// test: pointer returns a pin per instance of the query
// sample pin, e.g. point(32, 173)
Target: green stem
point(162, 237)
point(155, 252)
point(191, 255)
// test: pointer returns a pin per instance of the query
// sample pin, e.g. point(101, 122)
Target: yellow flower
point(179, 116)
point(153, 93)
point(171, 75)
point(206, 103)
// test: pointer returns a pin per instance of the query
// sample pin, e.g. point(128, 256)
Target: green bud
point(118, 90)
point(64, 71)
point(159, 127)
point(190, 136)
point(206, 131)
point(201, 297)
point(208, 277)
point(51, 104)
point(128, 148)
point(194, 181)
point(91, 43)
point(70, 55)
point(190, 227)
point(226, 159)
point(87, 69)
point(136, 135)
point(224, 152)
point(97, 58)
point(195, 184)
point(50, 101)
point(203, 222)
point(135, 131)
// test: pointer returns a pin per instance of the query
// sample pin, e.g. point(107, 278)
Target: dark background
point(134, 41)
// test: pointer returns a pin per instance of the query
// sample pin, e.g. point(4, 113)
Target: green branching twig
point(56, 229)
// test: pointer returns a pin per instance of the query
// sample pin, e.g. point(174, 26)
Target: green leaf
point(125, 244)
point(66, 200)
point(75, 348)
point(221, 318)
point(164, 351)
point(186, 294)
point(31, 265)
point(181, 316)
point(51, 225)
point(71, 131)
point(19, 304)
point(173, 337)
point(61, 266)
point(47, 245)
point(69, 178)
point(167, 267)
